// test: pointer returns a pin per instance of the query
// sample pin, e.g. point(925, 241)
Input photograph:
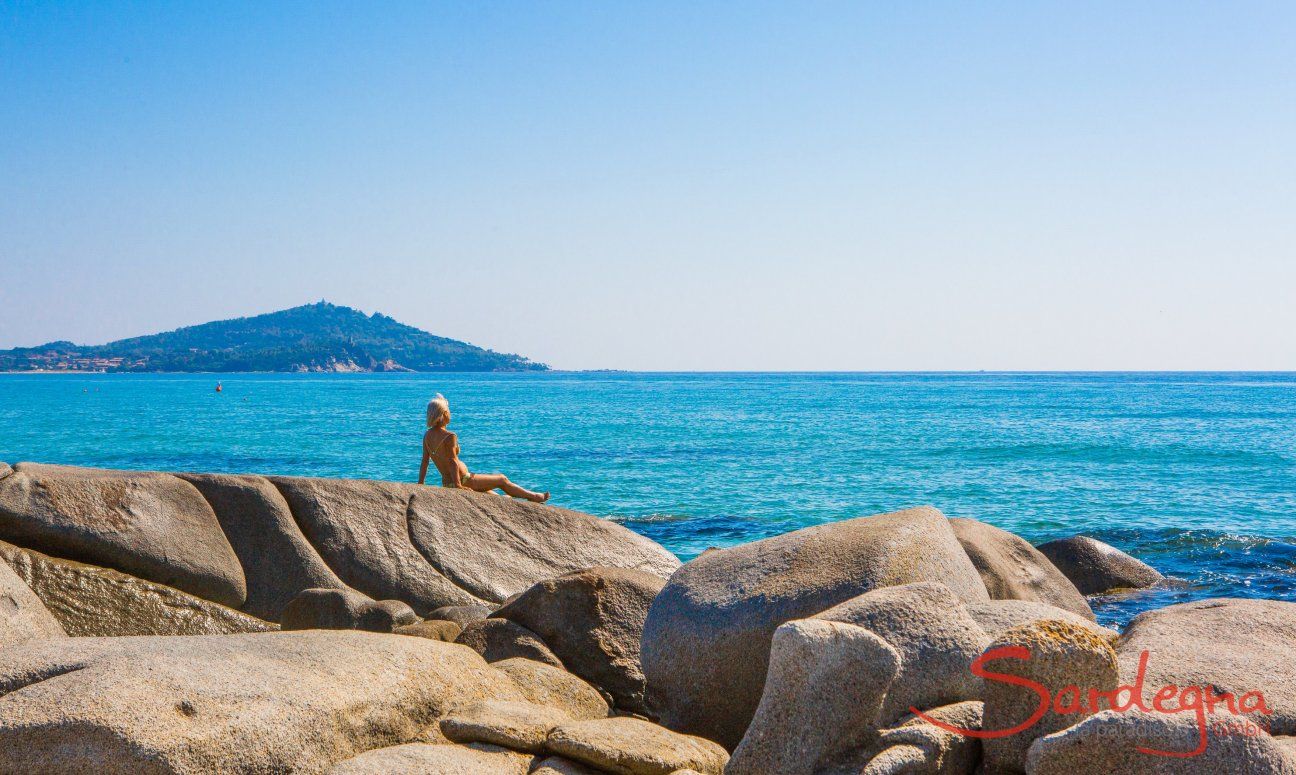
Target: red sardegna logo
point(1199, 700)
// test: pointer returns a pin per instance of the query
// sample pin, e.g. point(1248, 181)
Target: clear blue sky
point(666, 185)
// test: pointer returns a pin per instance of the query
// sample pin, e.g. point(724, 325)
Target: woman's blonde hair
point(437, 408)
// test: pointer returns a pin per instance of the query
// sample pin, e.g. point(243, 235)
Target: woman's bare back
point(442, 446)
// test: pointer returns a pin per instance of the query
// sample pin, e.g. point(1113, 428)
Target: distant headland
point(319, 337)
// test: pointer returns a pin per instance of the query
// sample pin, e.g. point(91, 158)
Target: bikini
point(464, 479)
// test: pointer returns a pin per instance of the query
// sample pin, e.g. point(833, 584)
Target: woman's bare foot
point(538, 497)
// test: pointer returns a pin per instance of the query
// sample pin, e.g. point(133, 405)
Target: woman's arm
point(423, 465)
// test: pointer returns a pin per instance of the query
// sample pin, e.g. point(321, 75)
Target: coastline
point(689, 460)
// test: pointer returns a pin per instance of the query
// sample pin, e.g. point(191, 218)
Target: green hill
point(314, 337)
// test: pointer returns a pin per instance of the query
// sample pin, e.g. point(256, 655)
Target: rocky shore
point(202, 623)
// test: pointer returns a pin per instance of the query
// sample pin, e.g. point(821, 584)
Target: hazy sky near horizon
point(688, 186)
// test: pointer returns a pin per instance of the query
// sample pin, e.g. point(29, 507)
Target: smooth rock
point(552, 686)
point(1060, 654)
point(361, 529)
point(497, 639)
point(1234, 645)
point(706, 640)
point(826, 684)
point(89, 601)
point(1095, 567)
point(23, 616)
point(151, 525)
point(918, 746)
point(1108, 744)
point(432, 734)
point(1012, 569)
point(630, 746)
point(965, 715)
point(998, 616)
point(267, 702)
point(936, 637)
point(434, 547)
point(944, 752)
point(5, 470)
point(278, 562)
point(593, 621)
point(461, 614)
point(496, 547)
point(898, 758)
point(556, 765)
point(433, 759)
point(345, 609)
point(521, 726)
point(436, 630)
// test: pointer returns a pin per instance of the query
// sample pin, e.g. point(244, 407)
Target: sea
point(1194, 473)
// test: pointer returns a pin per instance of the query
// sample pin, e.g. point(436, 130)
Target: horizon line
point(407, 374)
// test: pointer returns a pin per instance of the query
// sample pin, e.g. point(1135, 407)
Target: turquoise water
point(1194, 473)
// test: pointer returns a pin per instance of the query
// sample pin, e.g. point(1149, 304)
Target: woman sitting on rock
point(442, 448)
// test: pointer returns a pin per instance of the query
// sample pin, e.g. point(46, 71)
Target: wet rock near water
point(1095, 567)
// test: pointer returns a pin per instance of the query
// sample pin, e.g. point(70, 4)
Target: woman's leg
point(488, 482)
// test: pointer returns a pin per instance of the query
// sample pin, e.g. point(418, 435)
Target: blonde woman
point(441, 446)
